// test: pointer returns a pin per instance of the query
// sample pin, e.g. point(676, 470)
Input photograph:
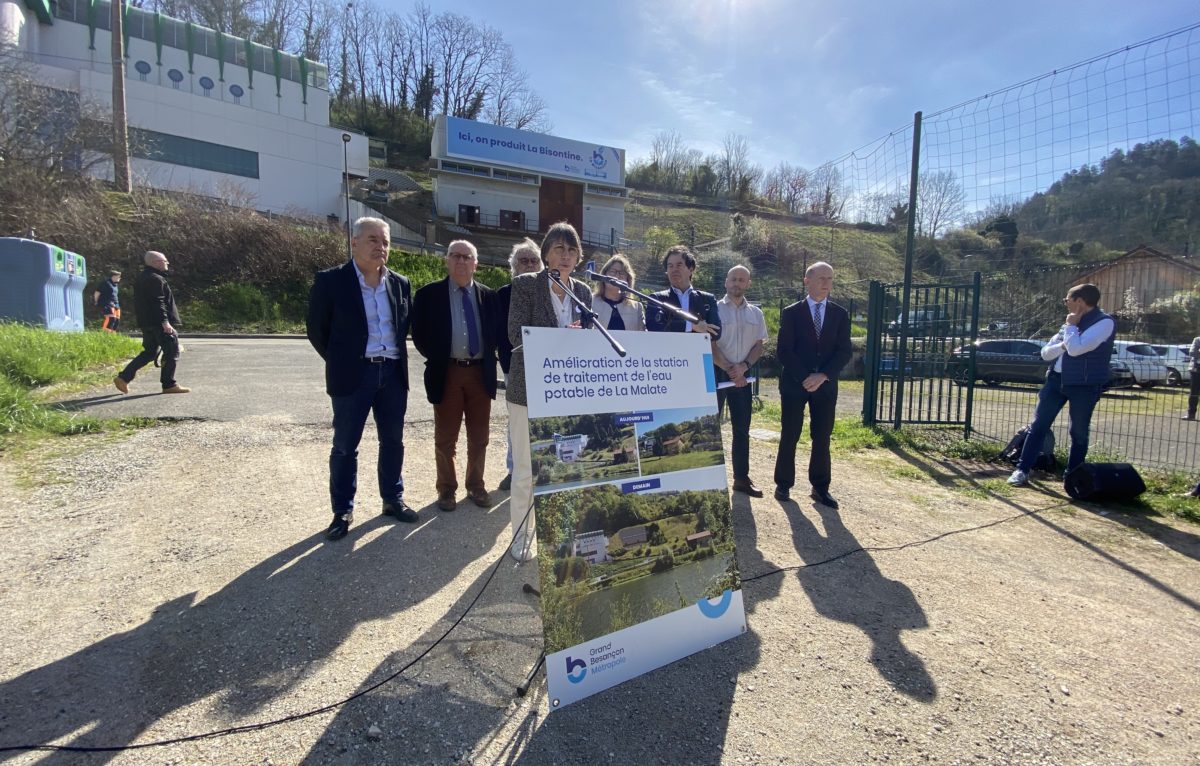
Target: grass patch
point(32, 358)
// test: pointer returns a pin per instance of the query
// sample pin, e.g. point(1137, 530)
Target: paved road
point(237, 378)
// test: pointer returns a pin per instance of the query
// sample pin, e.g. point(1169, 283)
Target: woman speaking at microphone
point(613, 307)
point(537, 301)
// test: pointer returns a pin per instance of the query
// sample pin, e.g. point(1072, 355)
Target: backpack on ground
point(1044, 462)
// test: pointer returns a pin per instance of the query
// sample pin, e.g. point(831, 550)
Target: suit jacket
point(500, 327)
point(531, 306)
point(431, 328)
point(700, 303)
point(801, 354)
point(337, 325)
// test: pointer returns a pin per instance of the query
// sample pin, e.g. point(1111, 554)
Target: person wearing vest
point(1082, 353)
point(107, 299)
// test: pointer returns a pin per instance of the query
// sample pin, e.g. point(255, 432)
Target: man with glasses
point(358, 315)
point(525, 258)
point(157, 316)
point(452, 328)
point(1081, 352)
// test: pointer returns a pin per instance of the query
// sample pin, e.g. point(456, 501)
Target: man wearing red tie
point(813, 347)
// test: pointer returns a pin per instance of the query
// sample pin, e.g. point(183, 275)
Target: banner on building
point(534, 151)
point(635, 540)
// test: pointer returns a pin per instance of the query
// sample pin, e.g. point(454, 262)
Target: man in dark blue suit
point(358, 315)
point(813, 347)
point(680, 265)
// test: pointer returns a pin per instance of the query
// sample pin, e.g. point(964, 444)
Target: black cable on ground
point(295, 716)
point(495, 568)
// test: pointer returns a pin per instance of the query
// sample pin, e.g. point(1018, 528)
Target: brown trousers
point(464, 397)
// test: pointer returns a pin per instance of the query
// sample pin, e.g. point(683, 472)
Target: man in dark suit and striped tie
point(813, 347)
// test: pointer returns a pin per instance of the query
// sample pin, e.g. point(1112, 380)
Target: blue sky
point(803, 82)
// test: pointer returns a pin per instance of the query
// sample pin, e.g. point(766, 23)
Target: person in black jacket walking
point(157, 317)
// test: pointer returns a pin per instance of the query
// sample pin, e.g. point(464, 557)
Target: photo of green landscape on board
point(680, 439)
point(609, 560)
point(581, 449)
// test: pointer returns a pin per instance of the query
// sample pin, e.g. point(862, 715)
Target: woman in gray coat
point(536, 302)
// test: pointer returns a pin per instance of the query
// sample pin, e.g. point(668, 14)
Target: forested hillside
point(1150, 195)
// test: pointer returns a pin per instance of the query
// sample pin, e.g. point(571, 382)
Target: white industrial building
point(209, 113)
point(487, 176)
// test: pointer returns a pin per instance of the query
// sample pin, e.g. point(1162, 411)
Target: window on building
point(508, 175)
point(458, 167)
point(177, 150)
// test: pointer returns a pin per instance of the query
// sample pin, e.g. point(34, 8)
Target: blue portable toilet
point(41, 284)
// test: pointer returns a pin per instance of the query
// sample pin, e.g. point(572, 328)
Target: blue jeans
point(381, 390)
point(1051, 399)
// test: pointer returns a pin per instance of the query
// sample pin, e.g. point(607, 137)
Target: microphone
point(555, 275)
point(607, 280)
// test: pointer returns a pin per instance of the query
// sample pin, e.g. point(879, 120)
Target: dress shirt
point(564, 308)
point(742, 327)
point(685, 301)
point(1070, 341)
point(812, 310)
point(460, 344)
point(381, 326)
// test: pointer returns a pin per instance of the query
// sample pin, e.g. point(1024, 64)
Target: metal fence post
point(913, 179)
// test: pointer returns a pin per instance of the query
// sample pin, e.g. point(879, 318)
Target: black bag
point(1044, 462)
point(1104, 481)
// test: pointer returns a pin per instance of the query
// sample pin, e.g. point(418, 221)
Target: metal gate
point(920, 363)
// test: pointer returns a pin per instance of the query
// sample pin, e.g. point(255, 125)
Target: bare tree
point(940, 202)
point(826, 193)
point(510, 101)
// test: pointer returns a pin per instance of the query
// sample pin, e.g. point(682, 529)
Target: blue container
point(41, 284)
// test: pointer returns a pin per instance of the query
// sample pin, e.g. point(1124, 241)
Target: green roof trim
point(249, 62)
point(92, 25)
point(221, 56)
point(158, 37)
point(303, 81)
point(41, 9)
point(191, 44)
point(278, 57)
point(125, 26)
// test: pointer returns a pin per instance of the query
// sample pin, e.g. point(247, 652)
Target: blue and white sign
point(539, 152)
point(634, 526)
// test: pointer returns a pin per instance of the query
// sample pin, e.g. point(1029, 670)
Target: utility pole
point(120, 138)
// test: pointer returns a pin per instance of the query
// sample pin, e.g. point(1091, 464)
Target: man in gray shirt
point(743, 330)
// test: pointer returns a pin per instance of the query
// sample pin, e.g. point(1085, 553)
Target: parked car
point(1143, 362)
point(1000, 360)
point(1017, 360)
point(1178, 362)
point(922, 323)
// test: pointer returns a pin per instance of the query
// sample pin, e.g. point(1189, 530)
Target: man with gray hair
point(358, 315)
point(525, 258)
point(452, 328)
point(157, 316)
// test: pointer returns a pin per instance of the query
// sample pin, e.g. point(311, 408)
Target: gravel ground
point(173, 581)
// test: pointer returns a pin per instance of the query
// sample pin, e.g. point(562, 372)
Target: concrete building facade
point(209, 113)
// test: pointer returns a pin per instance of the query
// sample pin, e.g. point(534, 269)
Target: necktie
point(817, 319)
point(469, 317)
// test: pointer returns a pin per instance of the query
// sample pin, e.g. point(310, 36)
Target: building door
point(560, 201)
point(468, 215)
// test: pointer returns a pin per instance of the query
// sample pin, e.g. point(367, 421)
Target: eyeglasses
point(462, 256)
point(616, 273)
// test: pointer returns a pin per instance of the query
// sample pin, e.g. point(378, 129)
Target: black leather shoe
point(782, 495)
point(400, 512)
point(747, 487)
point(823, 497)
point(340, 526)
point(505, 484)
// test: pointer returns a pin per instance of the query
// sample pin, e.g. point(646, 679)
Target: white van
point(1143, 362)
